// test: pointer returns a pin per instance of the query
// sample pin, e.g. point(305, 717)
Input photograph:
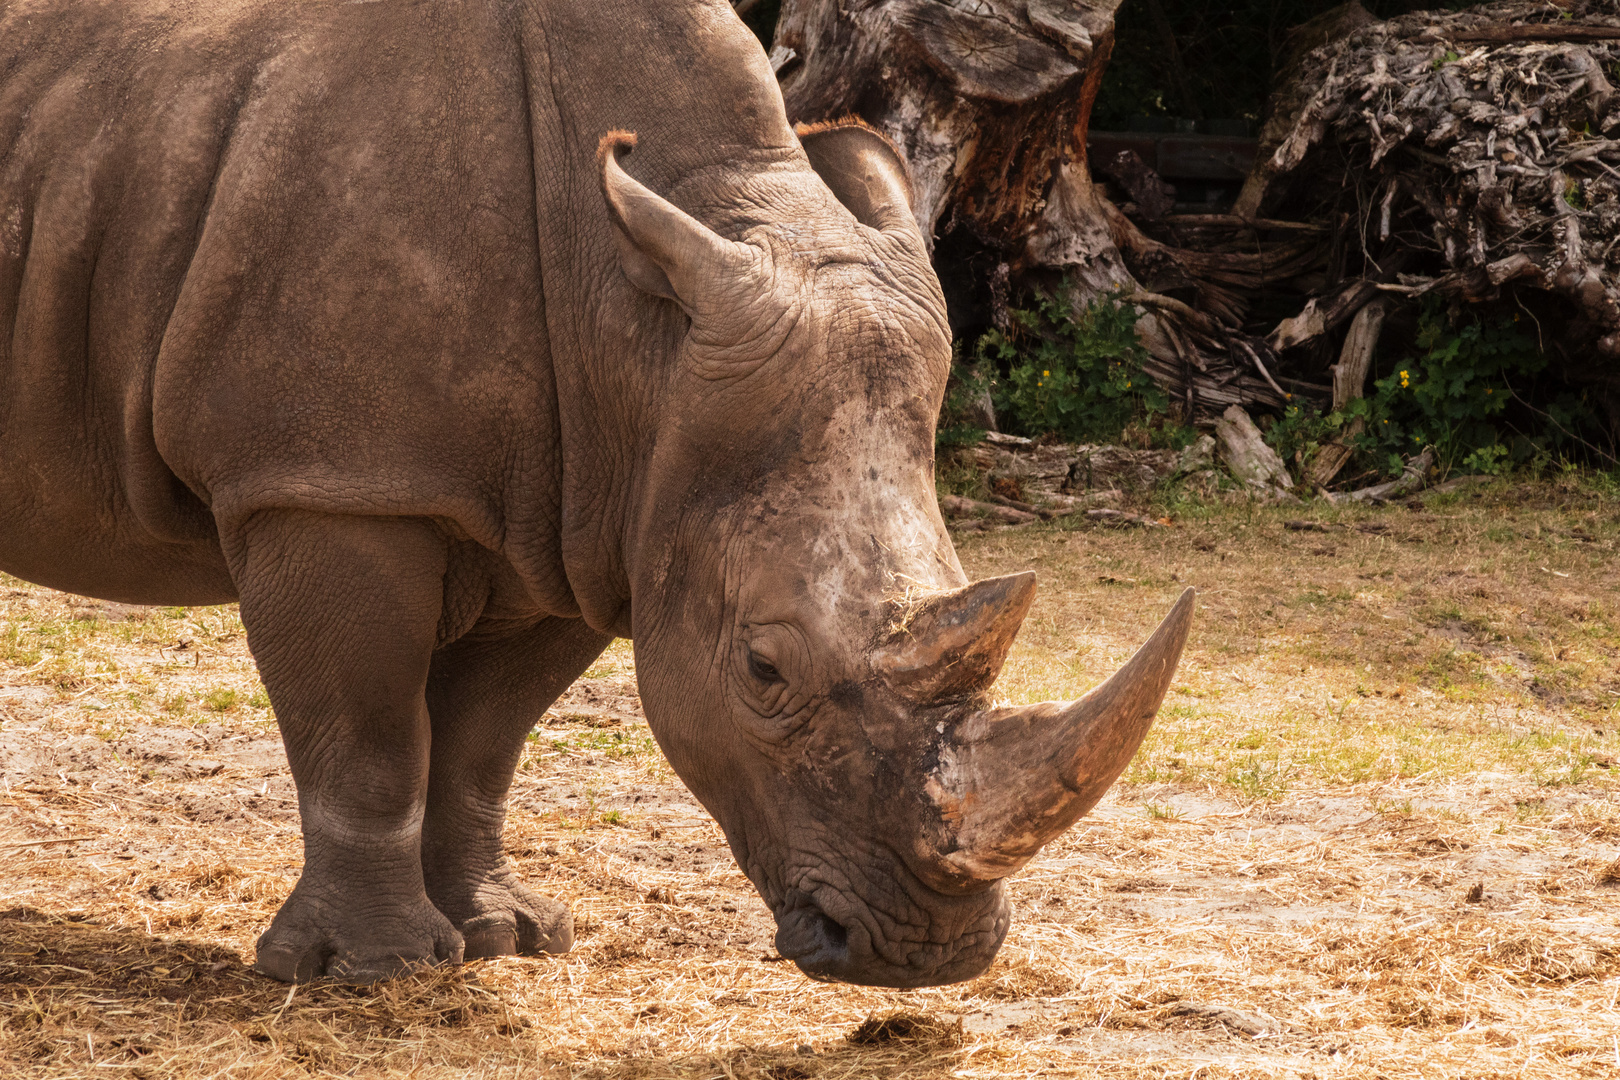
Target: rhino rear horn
point(864, 171)
point(667, 252)
point(953, 644)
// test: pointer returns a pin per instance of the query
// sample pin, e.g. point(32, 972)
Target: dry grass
point(1375, 833)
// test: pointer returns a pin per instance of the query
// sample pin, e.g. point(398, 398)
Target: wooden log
point(1503, 35)
point(1122, 519)
point(1023, 507)
point(1413, 479)
point(1349, 383)
point(955, 506)
point(1355, 358)
point(1244, 450)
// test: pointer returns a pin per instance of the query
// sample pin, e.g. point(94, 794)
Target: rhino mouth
point(847, 949)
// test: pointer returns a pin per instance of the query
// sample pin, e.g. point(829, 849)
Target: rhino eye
point(762, 669)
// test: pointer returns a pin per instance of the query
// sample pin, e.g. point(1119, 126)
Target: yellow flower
point(1127, 384)
point(1046, 374)
point(1488, 390)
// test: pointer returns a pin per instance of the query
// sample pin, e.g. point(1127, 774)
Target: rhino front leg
point(341, 614)
point(485, 694)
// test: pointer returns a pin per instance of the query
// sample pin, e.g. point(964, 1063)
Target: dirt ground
point(1375, 833)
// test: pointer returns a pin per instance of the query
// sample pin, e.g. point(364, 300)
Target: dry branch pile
point(1465, 155)
point(1477, 148)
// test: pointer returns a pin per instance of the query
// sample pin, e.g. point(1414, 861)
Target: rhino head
point(812, 659)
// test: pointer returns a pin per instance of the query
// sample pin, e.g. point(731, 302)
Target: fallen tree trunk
point(1413, 479)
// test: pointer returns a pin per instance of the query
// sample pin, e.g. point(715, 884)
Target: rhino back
point(260, 253)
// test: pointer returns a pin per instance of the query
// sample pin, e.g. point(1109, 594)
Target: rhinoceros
point(364, 316)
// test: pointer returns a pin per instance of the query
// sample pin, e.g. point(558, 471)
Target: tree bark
point(989, 103)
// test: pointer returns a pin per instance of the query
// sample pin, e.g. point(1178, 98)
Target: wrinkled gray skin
point(331, 308)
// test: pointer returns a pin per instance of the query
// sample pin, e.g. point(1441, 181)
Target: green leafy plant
point(1302, 429)
point(1450, 391)
point(968, 385)
point(1075, 374)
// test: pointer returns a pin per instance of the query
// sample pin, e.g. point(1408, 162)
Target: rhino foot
point(501, 916)
point(311, 937)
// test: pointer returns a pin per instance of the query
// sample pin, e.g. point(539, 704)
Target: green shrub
point(1074, 374)
point(956, 427)
point(1451, 392)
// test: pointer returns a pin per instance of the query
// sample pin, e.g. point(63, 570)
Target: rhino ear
point(664, 250)
point(864, 171)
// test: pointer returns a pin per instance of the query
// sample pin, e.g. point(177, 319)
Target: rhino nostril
point(833, 933)
point(809, 935)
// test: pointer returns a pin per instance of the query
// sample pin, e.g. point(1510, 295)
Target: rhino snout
point(868, 950)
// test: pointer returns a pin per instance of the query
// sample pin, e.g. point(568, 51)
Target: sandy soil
point(1376, 833)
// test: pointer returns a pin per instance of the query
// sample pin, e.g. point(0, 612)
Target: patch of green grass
point(1259, 778)
point(611, 742)
point(1527, 809)
point(1339, 743)
point(222, 700)
point(955, 474)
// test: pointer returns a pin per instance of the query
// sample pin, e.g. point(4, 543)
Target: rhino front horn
point(1010, 780)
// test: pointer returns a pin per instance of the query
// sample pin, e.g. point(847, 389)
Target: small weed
point(1162, 813)
point(222, 700)
point(1569, 774)
point(1525, 809)
point(1258, 779)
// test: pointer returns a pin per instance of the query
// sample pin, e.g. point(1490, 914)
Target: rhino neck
point(706, 126)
